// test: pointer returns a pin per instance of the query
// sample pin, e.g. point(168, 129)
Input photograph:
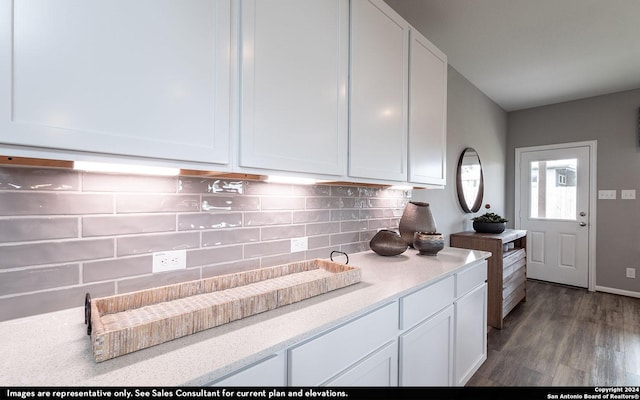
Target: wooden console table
point(507, 268)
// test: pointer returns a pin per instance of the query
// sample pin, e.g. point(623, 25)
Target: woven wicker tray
point(129, 322)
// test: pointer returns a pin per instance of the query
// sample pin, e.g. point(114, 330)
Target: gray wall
point(64, 233)
point(612, 120)
point(473, 120)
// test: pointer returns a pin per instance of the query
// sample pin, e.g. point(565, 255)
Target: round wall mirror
point(469, 181)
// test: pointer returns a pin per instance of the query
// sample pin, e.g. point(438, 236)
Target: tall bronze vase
point(416, 217)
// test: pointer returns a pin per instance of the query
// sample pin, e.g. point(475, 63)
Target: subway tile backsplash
point(64, 233)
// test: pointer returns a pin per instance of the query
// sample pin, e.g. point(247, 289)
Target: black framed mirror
point(470, 181)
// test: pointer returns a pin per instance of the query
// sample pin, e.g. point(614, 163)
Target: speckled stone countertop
point(53, 349)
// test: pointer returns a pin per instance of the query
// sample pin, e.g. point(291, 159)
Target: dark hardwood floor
point(565, 336)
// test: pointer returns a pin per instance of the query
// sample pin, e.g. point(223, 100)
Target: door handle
point(582, 224)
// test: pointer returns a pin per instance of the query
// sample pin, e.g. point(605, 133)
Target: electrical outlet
point(628, 194)
point(606, 194)
point(299, 244)
point(631, 272)
point(169, 260)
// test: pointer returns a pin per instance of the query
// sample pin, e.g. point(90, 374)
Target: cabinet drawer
point(319, 359)
point(420, 305)
point(267, 372)
point(470, 278)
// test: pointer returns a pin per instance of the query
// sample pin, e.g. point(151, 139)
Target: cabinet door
point(426, 352)
point(471, 333)
point(427, 112)
point(294, 79)
point(268, 372)
point(143, 78)
point(379, 85)
point(379, 369)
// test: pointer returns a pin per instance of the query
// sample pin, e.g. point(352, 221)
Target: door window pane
point(553, 189)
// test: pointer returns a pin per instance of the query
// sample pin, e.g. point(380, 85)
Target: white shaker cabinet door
point(137, 78)
point(379, 85)
point(427, 112)
point(426, 352)
point(471, 334)
point(293, 85)
point(377, 369)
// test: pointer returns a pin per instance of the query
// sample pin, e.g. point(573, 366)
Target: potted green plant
point(489, 223)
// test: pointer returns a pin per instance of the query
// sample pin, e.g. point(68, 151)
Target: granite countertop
point(54, 350)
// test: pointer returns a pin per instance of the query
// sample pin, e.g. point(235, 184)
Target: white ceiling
point(528, 53)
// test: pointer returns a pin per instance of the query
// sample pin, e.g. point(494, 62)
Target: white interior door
point(555, 184)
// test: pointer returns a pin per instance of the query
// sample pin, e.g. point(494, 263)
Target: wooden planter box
point(129, 322)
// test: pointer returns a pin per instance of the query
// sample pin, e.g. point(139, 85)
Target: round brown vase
point(387, 243)
point(427, 243)
point(416, 217)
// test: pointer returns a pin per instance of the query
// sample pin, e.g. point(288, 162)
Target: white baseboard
point(617, 291)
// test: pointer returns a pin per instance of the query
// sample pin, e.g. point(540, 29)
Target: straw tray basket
point(129, 322)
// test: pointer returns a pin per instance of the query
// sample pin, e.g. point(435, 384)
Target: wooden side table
point(507, 268)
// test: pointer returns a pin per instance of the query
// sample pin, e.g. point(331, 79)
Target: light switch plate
point(606, 194)
point(628, 194)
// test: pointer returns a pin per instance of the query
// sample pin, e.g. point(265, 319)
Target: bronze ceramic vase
point(416, 217)
point(428, 244)
point(387, 243)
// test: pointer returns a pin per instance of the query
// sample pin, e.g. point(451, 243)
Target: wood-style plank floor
point(565, 336)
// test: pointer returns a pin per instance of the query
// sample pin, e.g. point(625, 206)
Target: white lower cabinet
point(270, 371)
point(378, 369)
point(325, 357)
point(471, 334)
point(433, 336)
point(470, 309)
point(426, 352)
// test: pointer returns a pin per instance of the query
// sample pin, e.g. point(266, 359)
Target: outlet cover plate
point(628, 194)
point(631, 272)
point(169, 260)
point(299, 244)
point(606, 194)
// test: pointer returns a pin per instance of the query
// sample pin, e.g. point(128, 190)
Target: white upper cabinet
point(294, 66)
point(138, 78)
point(333, 89)
point(379, 85)
point(427, 111)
